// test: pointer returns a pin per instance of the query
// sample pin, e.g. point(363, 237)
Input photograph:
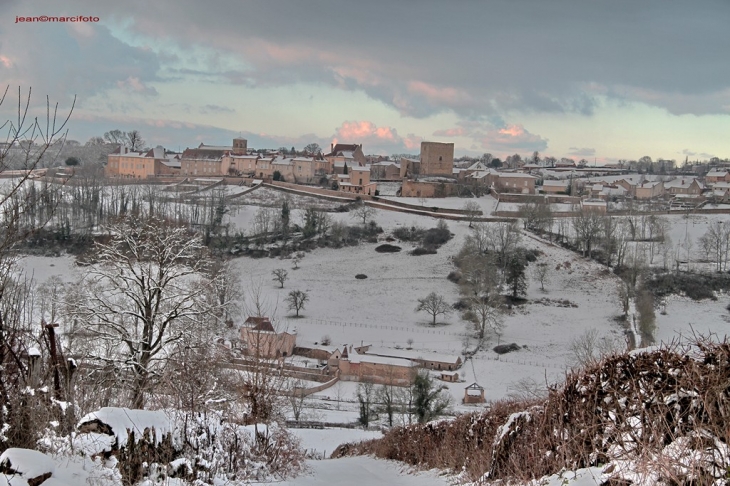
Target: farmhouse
point(260, 339)
point(354, 366)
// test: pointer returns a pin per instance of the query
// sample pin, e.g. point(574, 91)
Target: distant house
point(649, 190)
point(450, 377)
point(357, 181)
point(717, 176)
point(358, 363)
point(556, 187)
point(354, 366)
point(684, 185)
point(385, 171)
point(260, 339)
point(205, 160)
point(343, 153)
point(474, 394)
point(124, 163)
point(515, 182)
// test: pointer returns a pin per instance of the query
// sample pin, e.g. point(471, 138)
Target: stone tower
point(437, 159)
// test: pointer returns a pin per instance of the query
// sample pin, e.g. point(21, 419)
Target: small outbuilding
point(474, 394)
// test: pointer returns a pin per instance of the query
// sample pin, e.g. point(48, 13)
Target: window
point(440, 158)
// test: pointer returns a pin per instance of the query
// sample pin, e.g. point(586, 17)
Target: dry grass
point(659, 414)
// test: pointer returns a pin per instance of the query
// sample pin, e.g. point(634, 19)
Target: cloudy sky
point(600, 80)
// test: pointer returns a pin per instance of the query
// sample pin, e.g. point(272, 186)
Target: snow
point(324, 441)
point(122, 421)
point(34, 352)
point(27, 463)
point(363, 471)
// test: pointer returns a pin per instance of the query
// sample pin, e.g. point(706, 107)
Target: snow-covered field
point(379, 310)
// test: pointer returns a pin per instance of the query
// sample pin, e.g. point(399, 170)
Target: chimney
point(332, 147)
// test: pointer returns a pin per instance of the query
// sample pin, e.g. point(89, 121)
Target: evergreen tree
point(285, 218)
point(515, 275)
point(344, 171)
point(429, 401)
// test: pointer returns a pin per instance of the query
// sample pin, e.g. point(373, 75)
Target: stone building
point(437, 159)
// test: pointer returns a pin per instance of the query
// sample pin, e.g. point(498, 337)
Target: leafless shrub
point(662, 412)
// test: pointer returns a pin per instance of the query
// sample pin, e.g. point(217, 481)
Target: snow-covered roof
point(513, 175)
point(414, 354)
point(717, 173)
point(356, 357)
point(682, 182)
point(356, 168)
point(478, 166)
point(214, 147)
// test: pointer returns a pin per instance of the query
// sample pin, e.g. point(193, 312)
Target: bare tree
point(27, 140)
point(115, 136)
point(143, 294)
point(280, 275)
point(486, 314)
point(296, 300)
point(434, 305)
point(587, 227)
point(472, 210)
point(541, 272)
point(363, 212)
point(589, 348)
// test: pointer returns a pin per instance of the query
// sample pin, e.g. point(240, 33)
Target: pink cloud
point(375, 138)
point(436, 95)
point(512, 137)
point(135, 85)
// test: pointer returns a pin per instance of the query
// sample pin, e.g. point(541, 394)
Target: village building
point(385, 171)
point(354, 366)
point(717, 176)
point(684, 185)
point(437, 159)
point(409, 168)
point(342, 154)
point(260, 339)
point(449, 377)
point(649, 190)
point(357, 181)
point(476, 167)
point(124, 163)
point(556, 187)
point(515, 182)
point(431, 361)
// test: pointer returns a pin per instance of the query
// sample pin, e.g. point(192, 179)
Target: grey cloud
point(582, 152)
point(553, 57)
point(216, 109)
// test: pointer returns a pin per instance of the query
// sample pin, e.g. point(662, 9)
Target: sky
point(593, 79)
